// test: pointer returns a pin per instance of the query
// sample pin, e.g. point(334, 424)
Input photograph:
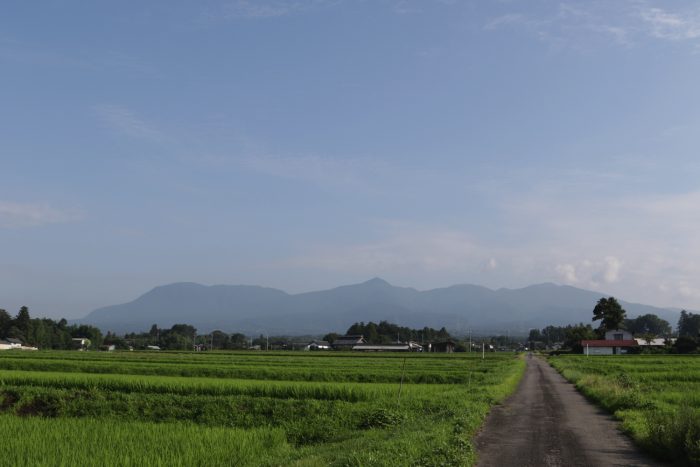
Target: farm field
point(657, 398)
point(247, 408)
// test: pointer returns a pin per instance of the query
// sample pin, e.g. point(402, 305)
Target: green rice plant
point(39, 442)
point(325, 408)
point(657, 398)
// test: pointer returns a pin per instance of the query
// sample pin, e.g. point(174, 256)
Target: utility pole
point(483, 351)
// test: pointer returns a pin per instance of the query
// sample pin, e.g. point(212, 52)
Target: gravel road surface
point(546, 422)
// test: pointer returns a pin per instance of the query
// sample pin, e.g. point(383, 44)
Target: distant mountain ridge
point(262, 310)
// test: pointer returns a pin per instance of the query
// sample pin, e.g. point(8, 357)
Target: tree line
point(179, 337)
point(385, 333)
point(45, 333)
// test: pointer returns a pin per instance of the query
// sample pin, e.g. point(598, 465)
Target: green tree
point(689, 324)
point(186, 330)
point(237, 341)
point(610, 313)
point(331, 337)
point(15, 332)
point(5, 323)
point(648, 324)
point(535, 335)
point(220, 339)
point(686, 344)
point(22, 321)
point(575, 334)
point(176, 341)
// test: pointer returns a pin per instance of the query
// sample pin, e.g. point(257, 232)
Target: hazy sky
point(307, 144)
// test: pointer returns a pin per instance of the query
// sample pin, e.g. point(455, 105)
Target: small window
point(618, 337)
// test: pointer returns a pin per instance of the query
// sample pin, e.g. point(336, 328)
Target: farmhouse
point(318, 345)
point(81, 343)
point(616, 342)
point(10, 343)
point(348, 342)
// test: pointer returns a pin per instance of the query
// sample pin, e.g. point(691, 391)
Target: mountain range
point(262, 310)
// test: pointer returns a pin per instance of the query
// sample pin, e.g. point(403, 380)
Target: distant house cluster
point(358, 343)
point(11, 343)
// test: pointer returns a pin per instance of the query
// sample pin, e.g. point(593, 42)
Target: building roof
point(658, 341)
point(386, 347)
point(349, 340)
point(609, 343)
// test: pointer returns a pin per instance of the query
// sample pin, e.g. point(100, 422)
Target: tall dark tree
point(689, 324)
point(648, 324)
point(610, 314)
point(23, 321)
point(5, 323)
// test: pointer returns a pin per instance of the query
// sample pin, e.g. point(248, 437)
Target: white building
point(10, 343)
point(616, 342)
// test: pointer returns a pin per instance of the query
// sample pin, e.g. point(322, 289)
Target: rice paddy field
point(657, 398)
point(247, 408)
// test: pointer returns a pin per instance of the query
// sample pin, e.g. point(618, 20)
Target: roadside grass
point(353, 416)
point(657, 398)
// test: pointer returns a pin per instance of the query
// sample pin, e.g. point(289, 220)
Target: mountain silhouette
point(262, 310)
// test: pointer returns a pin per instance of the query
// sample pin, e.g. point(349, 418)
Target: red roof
point(610, 343)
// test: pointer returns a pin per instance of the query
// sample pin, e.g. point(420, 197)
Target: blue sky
point(307, 144)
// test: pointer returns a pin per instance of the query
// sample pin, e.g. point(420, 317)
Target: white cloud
point(15, 215)
point(257, 9)
point(567, 272)
point(591, 274)
point(638, 247)
point(491, 264)
point(262, 9)
point(578, 24)
point(687, 290)
point(510, 19)
point(672, 26)
point(123, 120)
point(611, 273)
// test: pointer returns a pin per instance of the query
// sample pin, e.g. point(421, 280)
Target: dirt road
point(548, 423)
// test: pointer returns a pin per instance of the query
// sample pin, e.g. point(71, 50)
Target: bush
point(381, 418)
point(675, 435)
